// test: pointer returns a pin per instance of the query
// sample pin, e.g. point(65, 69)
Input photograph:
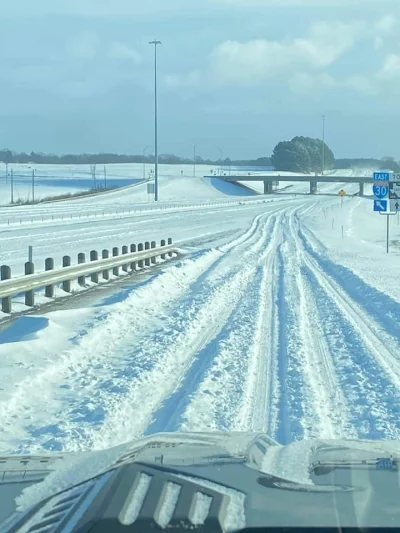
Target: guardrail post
point(140, 249)
point(169, 243)
point(163, 244)
point(29, 295)
point(124, 252)
point(81, 260)
point(49, 289)
point(115, 252)
point(66, 285)
point(105, 254)
point(6, 301)
point(154, 258)
point(94, 256)
point(133, 250)
point(147, 247)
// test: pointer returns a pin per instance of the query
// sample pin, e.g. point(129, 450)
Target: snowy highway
point(120, 217)
point(275, 318)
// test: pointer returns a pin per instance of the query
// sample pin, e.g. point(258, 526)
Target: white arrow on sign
point(394, 205)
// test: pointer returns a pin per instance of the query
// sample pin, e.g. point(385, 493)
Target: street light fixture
point(155, 43)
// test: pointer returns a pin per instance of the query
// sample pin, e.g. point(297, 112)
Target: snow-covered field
point(55, 180)
point(282, 315)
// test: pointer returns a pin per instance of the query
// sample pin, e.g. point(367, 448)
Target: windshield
point(199, 221)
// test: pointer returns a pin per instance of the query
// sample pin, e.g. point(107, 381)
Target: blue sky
point(239, 74)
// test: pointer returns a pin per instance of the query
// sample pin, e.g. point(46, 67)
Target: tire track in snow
point(261, 412)
point(310, 405)
point(243, 362)
point(373, 398)
point(72, 381)
point(374, 401)
point(200, 318)
point(98, 370)
point(377, 340)
point(287, 381)
point(383, 309)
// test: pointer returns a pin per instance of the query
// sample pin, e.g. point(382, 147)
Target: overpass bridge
point(313, 180)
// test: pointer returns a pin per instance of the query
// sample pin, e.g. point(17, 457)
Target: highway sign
point(380, 205)
point(380, 191)
point(394, 205)
point(394, 190)
point(395, 177)
point(381, 176)
point(342, 193)
point(150, 188)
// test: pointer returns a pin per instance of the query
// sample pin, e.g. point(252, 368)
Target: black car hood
point(246, 478)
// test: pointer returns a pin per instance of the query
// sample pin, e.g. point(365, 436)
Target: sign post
point(150, 189)
point(386, 190)
point(387, 215)
point(342, 194)
point(387, 233)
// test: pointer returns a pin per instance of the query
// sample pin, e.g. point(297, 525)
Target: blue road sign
point(380, 191)
point(380, 205)
point(381, 176)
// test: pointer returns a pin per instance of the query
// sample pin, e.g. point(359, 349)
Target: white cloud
point(252, 62)
point(390, 69)
point(183, 80)
point(311, 84)
point(304, 83)
point(83, 46)
point(386, 24)
point(384, 31)
point(124, 52)
point(361, 84)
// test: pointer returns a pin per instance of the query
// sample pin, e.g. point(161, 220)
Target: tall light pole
point(33, 186)
point(323, 144)
point(220, 151)
point(144, 161)
point(155, 43)
point(194, 160)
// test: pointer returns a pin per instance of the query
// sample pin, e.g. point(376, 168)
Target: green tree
point(389, 163)
point(302, 154)
point(291, 156)
point(6, 156)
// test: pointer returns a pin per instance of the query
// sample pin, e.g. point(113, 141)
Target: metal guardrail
point(135, 257)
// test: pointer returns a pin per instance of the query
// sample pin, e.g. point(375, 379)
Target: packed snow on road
point(281, 315)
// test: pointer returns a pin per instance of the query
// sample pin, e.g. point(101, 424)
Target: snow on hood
point(291, 462)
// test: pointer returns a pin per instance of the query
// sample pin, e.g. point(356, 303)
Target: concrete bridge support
point(313, 187)
point(361, 189)
point(267, 187)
